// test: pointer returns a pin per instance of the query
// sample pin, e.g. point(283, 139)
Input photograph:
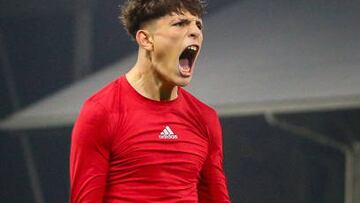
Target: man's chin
point(183, 81)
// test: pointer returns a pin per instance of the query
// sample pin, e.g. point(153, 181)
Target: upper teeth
point(194, 48)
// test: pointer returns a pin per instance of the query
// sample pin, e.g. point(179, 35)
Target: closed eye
point(182, 23)
point(199, 25)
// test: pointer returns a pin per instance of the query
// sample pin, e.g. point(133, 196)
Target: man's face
point(177, 40)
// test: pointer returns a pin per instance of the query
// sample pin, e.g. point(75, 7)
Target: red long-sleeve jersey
point(126, 148)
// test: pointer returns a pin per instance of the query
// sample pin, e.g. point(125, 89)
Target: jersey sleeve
point(89, 155)
point(212, 185)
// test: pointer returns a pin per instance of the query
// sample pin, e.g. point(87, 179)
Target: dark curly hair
point(134, 13)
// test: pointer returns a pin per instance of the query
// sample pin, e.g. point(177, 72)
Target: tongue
point(184, 65)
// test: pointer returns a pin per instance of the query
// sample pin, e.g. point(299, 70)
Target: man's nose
point(194, 30)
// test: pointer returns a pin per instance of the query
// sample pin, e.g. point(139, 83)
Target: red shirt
point(126, 148)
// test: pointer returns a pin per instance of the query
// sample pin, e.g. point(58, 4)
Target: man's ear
point(144, 39)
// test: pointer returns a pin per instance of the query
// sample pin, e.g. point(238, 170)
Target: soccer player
point(143, 138)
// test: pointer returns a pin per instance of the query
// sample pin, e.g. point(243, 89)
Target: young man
point(143, 138)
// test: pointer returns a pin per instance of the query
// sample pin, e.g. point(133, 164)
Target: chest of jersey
point(159, 147)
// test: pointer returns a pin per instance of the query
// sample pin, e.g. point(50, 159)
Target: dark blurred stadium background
point(311, 155)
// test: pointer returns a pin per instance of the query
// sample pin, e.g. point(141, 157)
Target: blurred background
point(283, 75)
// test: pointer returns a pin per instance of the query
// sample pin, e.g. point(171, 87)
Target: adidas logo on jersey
point(168, 134)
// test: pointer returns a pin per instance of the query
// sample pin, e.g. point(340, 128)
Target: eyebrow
point(187, 20)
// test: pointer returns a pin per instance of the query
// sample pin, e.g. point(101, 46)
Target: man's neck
point(149, 84)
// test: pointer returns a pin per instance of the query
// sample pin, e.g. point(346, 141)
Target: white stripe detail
point(169, 130)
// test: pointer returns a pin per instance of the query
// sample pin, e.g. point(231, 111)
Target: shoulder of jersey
point(201, 106)
point(107, 95)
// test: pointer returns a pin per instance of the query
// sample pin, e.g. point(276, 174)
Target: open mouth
point(187, 59)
